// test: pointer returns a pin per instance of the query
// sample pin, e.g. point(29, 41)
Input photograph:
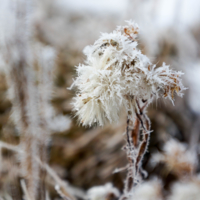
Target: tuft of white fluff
point(115, 71)
point(186, 190)
point(102, 192)
point(149, 190)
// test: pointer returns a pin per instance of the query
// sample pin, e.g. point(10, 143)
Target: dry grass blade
point(24, 188)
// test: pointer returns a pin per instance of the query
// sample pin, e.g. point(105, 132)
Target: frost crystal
point(115, 71)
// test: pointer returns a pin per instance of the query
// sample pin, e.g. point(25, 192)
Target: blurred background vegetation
point(169, 32)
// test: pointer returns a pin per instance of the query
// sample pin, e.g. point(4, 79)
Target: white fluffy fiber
point(150, 190)
point(116, 70)
point(188, 190)
point(102, 192)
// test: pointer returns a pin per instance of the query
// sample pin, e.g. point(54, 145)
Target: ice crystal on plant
point(116, 70)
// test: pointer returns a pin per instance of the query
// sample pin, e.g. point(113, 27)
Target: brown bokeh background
point(88, 156)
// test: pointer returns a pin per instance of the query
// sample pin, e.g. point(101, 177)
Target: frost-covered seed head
point(115, 71)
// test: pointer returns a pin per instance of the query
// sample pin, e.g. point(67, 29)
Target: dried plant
point(116, 76)
point(17, 53)
point(29, 68)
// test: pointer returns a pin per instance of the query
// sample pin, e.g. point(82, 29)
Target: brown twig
point(142, 150)
point(136, 149)
point(135, 131)
point(129, 149)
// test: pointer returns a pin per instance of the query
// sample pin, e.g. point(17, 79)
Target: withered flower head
point(115, 72)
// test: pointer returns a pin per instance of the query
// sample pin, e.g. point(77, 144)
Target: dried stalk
point(129, 150)
point(136, 149)
point(17, 52)
point(135, 131)
point(29, 97)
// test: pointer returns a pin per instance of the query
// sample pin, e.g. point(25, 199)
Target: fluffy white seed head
point(116, 70)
